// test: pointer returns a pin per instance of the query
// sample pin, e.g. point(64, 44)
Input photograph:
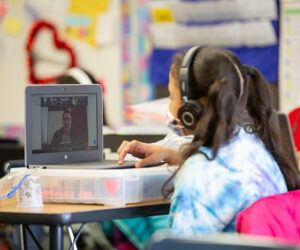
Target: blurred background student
point(77, 75)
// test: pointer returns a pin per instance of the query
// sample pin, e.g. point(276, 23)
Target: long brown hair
point(231, 90)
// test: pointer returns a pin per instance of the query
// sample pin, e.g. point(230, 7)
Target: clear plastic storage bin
point(109, 187)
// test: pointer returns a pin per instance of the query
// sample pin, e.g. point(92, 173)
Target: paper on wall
point(14, 2)
point(257, 9)
point(48, 9)
point(211, 10)
point(78, 20)
point(161, 15)
point(12, 25)
point(89, 7)
point(106, 28)
point(161, 11)
point(82, 19)
point(228, 34)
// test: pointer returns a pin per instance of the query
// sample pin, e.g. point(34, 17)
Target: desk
point(57, 215)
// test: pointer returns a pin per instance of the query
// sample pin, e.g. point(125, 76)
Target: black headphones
point(191, 110)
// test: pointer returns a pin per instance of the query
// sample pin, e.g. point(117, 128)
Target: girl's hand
point(148, 153)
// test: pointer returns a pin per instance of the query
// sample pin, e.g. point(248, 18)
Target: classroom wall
point(104, 61)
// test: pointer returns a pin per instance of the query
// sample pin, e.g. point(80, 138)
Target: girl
point(228, 165)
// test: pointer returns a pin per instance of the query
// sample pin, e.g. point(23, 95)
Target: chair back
point(213, 242)
point(276, 216)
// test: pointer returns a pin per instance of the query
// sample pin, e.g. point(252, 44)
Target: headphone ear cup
point(189, 114)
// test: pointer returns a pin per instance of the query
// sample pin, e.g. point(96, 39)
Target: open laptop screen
point(64, 122)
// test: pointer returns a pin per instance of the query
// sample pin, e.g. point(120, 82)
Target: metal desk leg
point(23, 237)
point(56, 237)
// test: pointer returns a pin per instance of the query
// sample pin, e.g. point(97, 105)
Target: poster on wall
point(90, 21)
point(289, 63)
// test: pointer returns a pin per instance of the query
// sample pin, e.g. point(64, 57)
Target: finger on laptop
point(134, 148)
point(120, 152)
point(122, 146)
point(124, 149)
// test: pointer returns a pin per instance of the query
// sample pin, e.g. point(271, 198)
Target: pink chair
point(276, 216)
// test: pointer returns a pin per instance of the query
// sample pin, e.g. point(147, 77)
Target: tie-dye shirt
point(209, 194)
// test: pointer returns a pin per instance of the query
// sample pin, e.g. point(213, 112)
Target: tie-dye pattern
point(209, 194)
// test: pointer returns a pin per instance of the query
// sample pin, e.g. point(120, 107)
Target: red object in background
point(103, 85)
point(294, 117)
point(58, 43)
point(79, 122)
point(276, 216)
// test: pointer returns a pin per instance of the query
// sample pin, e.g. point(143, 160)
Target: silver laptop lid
point(63, 124)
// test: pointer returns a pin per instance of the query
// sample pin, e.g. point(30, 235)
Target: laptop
point(64, 128)
point(287, 139)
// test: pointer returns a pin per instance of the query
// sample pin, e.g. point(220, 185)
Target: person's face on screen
point(67, 120)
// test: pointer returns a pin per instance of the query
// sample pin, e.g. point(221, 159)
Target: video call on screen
point(64, 123)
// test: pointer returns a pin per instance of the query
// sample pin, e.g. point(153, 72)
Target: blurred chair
point(213, 242)
point(10, 149)
point(276, 216)
point(12, 164)
point(9, 141)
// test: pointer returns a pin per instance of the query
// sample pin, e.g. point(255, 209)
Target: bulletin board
point(248, 28)
point(289, 74)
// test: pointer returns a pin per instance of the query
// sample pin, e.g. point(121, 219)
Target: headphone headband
point(238, 71)
point(79, 75)
point(241, 79)
point(191, 110)
point(184, 72)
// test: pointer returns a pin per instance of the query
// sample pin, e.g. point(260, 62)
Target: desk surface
point(66, 214)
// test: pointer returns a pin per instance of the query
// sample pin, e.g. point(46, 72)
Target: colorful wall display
point(136, 51)
point(289, 81)
point(83, 18)
point(251, 34)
